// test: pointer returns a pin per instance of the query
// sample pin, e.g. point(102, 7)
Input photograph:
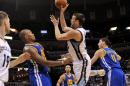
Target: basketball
point(59, 3)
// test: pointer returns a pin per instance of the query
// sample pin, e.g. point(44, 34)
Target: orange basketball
point(59, 3)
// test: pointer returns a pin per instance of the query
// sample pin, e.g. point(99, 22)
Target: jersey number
point(70, 82)
point(6, 60)
point(113, 57)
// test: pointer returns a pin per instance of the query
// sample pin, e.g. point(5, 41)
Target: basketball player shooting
point(75, 37)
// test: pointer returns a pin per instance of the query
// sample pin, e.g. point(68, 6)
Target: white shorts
point(82, 71)
point(2, 83)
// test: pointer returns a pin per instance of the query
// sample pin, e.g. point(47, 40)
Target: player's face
point(73, 21)
point(7, 25)
point(67, 68)
point(30, 36)
point(100, 44)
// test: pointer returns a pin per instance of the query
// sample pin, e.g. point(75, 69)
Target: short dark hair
point(3, 15)
point(22, 34)
point(80, 17)
point(106, 40)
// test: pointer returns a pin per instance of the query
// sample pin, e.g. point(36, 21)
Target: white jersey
point(81, 59)
point(5, 54)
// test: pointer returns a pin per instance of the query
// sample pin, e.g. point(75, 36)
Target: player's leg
point(1, 83)
point(87, 70)
point(78, 68)
point(82, 81)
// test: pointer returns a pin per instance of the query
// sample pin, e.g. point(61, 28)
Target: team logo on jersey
point(70, 82)
point(3, 48)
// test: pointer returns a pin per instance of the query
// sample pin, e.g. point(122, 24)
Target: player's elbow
point(62, 37)
point(64, 30)
point(58, 37)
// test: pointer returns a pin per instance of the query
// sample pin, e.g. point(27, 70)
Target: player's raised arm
point(64, 26)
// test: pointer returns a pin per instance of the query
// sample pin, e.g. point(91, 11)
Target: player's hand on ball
point(63, 9)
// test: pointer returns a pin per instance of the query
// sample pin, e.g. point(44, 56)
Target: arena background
point(101, 16)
